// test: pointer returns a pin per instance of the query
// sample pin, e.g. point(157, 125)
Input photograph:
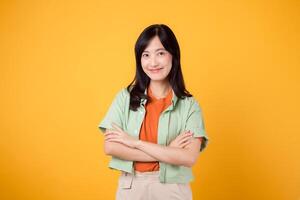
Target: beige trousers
point(146, 186)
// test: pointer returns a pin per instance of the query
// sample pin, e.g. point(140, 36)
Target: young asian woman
point(154, 128)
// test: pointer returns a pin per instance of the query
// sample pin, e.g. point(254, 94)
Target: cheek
point(168, 60)
point(144, 68)
point(144, 63)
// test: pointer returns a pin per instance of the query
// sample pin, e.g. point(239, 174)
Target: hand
point(182, 139)
point(118, 135)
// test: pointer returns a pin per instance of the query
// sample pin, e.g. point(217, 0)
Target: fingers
point(185, 136)
point(183, 145)
point(185, 139)
point(110, 132)
point(114, 140)
point(185, 133)
point(111, 135)
point(186, 142)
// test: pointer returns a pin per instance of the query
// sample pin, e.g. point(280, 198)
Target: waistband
point(126, 179)
point(141, 174)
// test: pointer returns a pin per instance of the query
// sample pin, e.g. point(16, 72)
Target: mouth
point(155, 70)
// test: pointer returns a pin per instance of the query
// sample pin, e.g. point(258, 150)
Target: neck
point(160, 89)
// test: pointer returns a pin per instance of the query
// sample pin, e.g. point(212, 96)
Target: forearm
point(167, 154)
point(127, 153)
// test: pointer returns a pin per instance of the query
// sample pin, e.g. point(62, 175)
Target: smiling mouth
point(155, 70)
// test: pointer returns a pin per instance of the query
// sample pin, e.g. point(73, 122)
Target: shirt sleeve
point(195, 124)
point(115, 113)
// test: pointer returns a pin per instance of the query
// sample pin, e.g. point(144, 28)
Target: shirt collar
point(174, 99)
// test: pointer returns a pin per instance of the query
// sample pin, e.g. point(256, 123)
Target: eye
point(145, 55)
point(161, 53)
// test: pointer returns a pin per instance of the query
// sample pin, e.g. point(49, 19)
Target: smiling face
point(156, 60)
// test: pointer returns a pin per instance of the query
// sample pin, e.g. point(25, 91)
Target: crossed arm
point(119, 144)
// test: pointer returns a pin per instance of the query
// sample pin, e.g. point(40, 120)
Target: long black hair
point(141, 80)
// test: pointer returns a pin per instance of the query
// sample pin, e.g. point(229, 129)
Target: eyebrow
point(156, 49)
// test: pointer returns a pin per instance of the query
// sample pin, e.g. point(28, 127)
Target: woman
point(154, 128)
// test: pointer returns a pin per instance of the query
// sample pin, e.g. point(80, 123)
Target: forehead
point(154, 44)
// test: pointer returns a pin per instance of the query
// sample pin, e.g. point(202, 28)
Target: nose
point(153, 62)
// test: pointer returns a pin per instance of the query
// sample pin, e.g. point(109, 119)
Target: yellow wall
point(62, 62)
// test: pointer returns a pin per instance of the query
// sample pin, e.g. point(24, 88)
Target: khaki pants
point(146, 186)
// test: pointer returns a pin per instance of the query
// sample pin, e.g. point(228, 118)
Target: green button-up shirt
point(182, 114)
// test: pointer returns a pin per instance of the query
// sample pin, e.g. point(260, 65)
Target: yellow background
point(62, 62)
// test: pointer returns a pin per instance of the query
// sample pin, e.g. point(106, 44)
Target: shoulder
point(122, 94)
point(124, 91)
point(190, 103)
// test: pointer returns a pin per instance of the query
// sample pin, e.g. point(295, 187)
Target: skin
point(155, 57)
point(184, 149)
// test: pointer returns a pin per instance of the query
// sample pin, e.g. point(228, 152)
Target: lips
point(155, 70)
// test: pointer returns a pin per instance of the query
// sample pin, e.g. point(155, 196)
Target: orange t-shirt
point(148, 133)
point(150, 126)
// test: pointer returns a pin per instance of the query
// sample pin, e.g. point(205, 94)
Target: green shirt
point(182, 114)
